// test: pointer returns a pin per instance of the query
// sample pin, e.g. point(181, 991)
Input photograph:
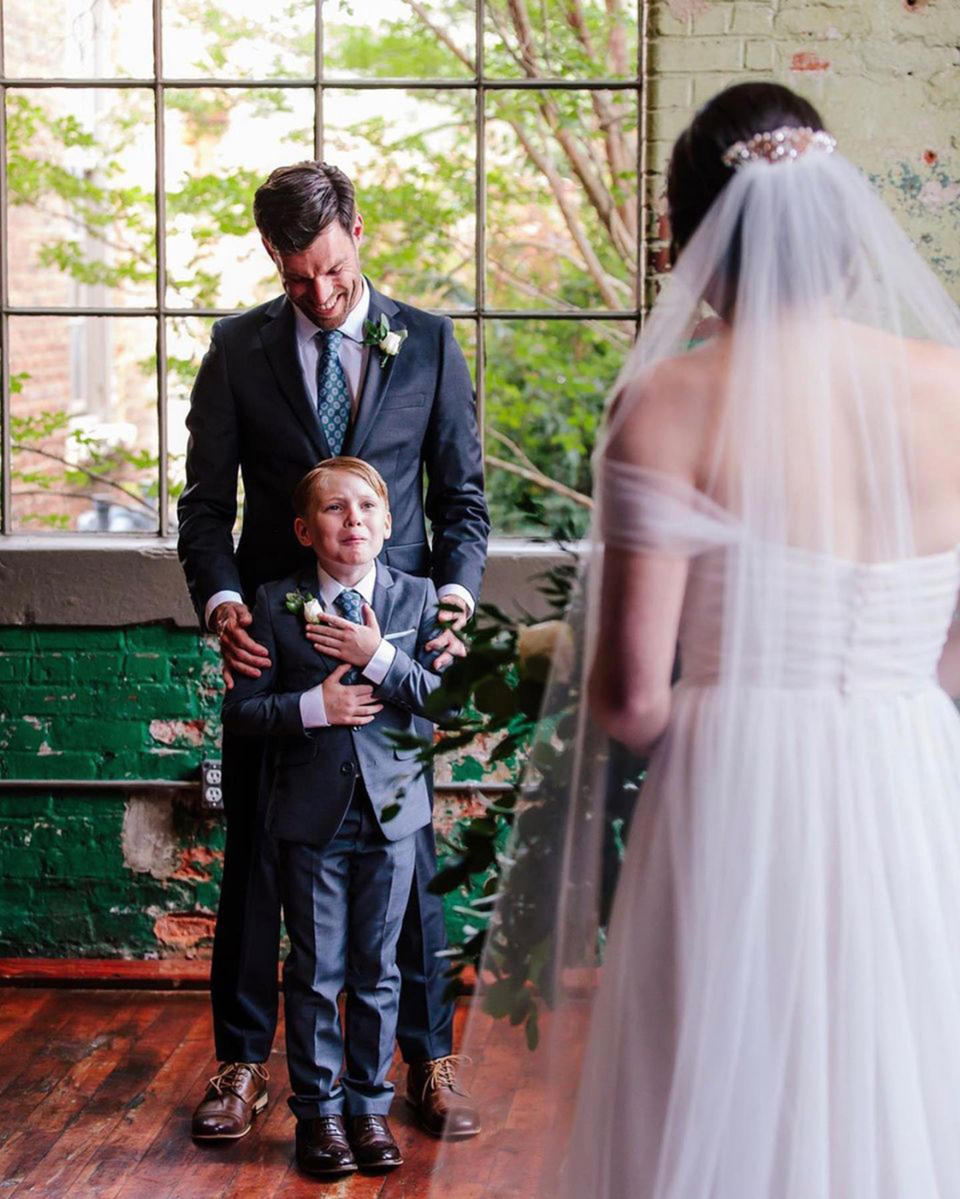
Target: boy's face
point(347, 523)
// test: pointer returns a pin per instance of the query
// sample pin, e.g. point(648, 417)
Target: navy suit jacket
point(249, 412)
point(311, 774)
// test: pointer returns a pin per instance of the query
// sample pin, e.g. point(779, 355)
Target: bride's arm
point(948, 669)
point(661, 424)
point(641, 597)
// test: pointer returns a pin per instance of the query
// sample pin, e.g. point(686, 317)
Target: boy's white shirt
point(313, 712)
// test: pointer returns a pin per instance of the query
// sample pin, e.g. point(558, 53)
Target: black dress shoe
point(323, 1148)
point(373, 1145)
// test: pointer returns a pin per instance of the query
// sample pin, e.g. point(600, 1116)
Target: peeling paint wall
point(885, 75)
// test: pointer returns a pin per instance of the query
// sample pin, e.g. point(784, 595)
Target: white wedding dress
point(779, 1006)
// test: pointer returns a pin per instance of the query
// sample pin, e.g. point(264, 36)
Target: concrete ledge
point(110, 580)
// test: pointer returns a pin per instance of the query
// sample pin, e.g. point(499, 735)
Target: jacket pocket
point(403, 399)
point(405, 754)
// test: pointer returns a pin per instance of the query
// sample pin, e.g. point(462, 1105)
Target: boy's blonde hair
point(305, 492)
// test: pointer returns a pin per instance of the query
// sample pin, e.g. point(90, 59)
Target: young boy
point(329, 703)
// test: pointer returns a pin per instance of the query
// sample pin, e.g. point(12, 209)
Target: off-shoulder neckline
point(678, 483)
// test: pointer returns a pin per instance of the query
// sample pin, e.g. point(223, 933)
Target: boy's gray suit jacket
point(310, 774)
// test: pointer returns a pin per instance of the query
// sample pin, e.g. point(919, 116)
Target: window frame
point(319, 83)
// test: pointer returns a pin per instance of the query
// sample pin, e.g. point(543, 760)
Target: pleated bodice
point(822, 622)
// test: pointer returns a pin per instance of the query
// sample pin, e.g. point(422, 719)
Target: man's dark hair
point(298, 202)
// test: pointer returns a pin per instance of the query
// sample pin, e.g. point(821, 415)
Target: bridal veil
point(828, 335)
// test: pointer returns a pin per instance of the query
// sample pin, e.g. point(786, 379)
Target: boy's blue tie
point(333, 395)
point(349, 604)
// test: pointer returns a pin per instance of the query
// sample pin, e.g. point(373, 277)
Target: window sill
point(105, 580)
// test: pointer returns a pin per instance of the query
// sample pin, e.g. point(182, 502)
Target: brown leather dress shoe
point(441, 1106)
point(323, 1148)
point(234, 1096)
point(373, 1143)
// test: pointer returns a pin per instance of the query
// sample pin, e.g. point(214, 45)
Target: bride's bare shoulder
point(934, 372)
point(936, 365)
point(928, 362)
point(664, 417)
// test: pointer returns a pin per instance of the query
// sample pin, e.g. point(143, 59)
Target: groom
point(330, 367)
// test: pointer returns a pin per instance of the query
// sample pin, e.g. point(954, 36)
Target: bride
point(777, 1015)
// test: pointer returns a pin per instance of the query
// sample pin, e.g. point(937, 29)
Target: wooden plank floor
point(97, 1090)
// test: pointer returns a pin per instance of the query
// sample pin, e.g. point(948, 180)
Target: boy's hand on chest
point(350, 704)
point(342, 639)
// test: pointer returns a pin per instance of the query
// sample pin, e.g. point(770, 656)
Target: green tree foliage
point(516, 669)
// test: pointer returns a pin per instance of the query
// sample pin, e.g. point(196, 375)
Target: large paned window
point(496, 153)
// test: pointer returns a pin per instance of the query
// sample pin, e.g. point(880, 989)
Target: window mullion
point(318, 132)
point(480, 225)
point(6, 449)
point(643, 116)
point(160, 216)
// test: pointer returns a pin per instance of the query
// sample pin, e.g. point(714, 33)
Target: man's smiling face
point(324, 280)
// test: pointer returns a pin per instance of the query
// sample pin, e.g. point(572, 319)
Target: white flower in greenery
point(388, 341)
point(312, 610)
point(541, 645)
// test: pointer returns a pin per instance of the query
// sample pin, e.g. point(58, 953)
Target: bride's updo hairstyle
point(697, 173)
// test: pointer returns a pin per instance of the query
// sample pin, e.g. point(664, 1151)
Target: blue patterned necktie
point(349, 604)
point(333, 395)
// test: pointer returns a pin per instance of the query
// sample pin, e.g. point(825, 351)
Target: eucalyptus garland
point(499, 690)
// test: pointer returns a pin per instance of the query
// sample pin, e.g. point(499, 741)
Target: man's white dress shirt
point(354, 355)
point(355, 360)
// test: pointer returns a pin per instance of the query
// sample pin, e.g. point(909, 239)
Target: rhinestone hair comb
point(778, 145)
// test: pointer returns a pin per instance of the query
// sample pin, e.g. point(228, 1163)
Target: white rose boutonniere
point(303, 603)
point(388, 341)
point(312, 611)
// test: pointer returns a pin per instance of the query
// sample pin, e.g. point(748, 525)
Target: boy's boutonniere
point(309, 605)
point(388, 341)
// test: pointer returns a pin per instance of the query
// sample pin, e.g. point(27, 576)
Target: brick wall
point(102, 873)
point(883, 73)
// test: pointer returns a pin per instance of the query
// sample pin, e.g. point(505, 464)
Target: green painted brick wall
point(67, 888)
point(107, 704)
point(110, 873)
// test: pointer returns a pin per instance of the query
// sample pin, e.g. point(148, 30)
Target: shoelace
point(443, 1073)
point(230, 1078)
point(370, 1121)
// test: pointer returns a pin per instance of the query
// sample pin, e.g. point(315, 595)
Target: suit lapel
point(308, 584)
point(376, 381)
point(383, 598)
point(278, 335)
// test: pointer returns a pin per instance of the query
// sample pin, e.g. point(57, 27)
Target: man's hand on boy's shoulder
point(454, 612)
point(240, 653)
point(342, 639)
point(348, 704)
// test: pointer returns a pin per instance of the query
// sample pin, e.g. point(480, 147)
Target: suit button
point(346, 768)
